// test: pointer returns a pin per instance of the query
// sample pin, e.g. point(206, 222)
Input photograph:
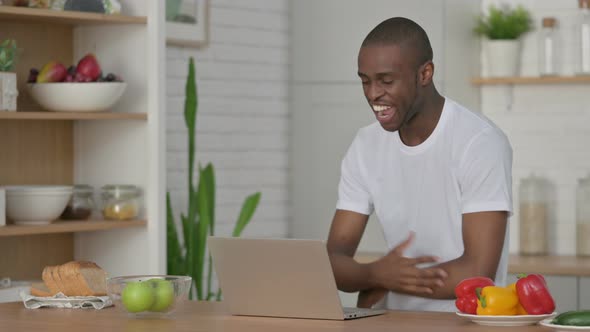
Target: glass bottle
point(534, 213)
point(583, 36)
point(583, 217)
point(548, 47)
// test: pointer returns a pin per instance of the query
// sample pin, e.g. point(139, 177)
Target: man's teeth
point(379, 108)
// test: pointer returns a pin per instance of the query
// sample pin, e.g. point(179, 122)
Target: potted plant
point(199, 222)
point(502, 28)
point(8, 89)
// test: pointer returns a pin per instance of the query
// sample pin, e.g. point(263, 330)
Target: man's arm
point(483, 239)
point(393, 271)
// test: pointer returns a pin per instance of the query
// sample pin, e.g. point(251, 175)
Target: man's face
point(388, 74)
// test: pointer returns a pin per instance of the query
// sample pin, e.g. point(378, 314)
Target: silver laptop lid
point(276, 277)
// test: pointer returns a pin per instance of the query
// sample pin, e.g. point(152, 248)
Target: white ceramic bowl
point(36, 205)
point(77, 97)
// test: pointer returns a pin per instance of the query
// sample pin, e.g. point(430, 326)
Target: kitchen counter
point(211, 317)
point(546, 264)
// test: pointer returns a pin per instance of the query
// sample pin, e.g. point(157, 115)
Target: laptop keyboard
point(357, 310)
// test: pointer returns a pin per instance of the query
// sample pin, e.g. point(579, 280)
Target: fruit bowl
point(148, 295)
point(77, 97)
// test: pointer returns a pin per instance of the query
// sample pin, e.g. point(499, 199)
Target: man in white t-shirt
point(437, 176)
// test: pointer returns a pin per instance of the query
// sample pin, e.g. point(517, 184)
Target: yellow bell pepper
point(519, 308)
point(496, 301)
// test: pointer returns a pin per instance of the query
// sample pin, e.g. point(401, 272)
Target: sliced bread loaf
point(40, 289)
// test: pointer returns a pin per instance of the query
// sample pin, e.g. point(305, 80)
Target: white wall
point(547, 125)
point(327, 102)
point(242, 78)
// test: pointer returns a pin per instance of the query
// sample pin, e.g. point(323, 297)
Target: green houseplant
point(189, 258)
point(504, 23)
point(8, 89)
point(502, 29)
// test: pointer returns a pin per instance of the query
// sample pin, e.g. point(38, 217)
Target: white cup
point(2, 207)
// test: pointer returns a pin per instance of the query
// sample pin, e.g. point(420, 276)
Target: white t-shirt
point(464, 166)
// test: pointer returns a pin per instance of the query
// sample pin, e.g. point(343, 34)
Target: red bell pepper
point(534, 295)
point(465, 292)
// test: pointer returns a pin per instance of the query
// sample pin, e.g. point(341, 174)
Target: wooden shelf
point(21, 14)
point(71, 116)
point(531, 80)
point(69, 227)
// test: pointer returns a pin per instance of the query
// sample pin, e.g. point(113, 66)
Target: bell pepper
point(466, 300)
point(534, 295)
point(496, 301)
point(519, 308)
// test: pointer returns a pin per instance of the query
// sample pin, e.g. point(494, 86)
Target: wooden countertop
point(547, 265)
point(212, 317)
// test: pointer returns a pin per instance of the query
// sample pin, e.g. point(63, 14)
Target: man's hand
point(401, 274)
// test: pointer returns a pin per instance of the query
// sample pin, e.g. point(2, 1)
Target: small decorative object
point(547, 47)
point(93, 6)
point(502, 29)
point(583, 36)
point(534, 216)
point(583, 217)
point(8, 89)
point(39, 3)
point(187, 22)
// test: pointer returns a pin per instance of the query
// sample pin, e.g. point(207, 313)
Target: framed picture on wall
point(187, 22)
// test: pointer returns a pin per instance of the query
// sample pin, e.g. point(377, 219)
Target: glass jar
point(81, 203)
point(534, 215)
point(583, 37)
point(120, 202)
point(583, 217)
point(548, 47)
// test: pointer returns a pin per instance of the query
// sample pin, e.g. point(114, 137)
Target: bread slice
point(40, 289)
point(69, 279)
point(50, 282)
point(57, 278)
point(92, 279)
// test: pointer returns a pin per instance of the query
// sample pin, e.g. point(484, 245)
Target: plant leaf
point(248, 209)
point(175, 261)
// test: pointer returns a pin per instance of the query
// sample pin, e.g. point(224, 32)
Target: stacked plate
point(36, 205)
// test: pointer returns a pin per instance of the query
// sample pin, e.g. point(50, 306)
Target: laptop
point(279, 278)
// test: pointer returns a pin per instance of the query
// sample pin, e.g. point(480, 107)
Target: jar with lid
point(120, 202)
point(583, 37)
point(81, 203)
point(534, 215)
point(548, 41)
point(583, 217)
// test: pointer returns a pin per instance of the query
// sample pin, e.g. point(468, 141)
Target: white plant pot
point(503, 57)
point(8, 91)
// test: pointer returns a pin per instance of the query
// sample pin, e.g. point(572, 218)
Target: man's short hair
point(404, 32)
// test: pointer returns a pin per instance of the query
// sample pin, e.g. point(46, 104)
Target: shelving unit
point(531, 80)
point(24, 14)
point(71, 116)
point(122, 146)
point(73, 226)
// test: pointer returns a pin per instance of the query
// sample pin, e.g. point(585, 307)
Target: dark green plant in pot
point(504, 23)
point(200, 220)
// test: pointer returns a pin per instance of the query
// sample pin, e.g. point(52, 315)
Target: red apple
point(89, 67)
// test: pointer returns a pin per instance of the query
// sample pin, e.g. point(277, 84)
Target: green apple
point(138, 296)
point(164, 294)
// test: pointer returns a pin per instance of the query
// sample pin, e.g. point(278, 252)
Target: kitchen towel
point(59, 300)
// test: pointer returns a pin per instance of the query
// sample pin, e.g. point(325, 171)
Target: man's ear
point(425, 73)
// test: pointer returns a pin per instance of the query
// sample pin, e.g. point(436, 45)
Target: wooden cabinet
point(122, 146)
